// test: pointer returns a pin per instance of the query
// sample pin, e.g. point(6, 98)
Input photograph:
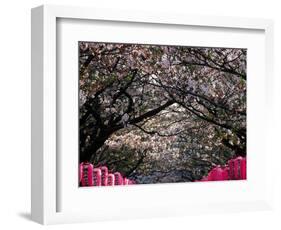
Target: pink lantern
point(118, 178)
point(130, 182)
point(104, 175)
point(243, 169)
point(226, 172)
point(125, 181)
point(80, 172)
point(237, 168)
point(218, 173)
point(96, 177)
point(231, 164)
point(86, 174)
point(241, 165)
point(110, 180)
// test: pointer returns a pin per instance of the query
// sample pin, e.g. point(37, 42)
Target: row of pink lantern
point(234, 170)
point(90, 176)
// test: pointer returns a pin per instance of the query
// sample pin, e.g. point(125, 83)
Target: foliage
point(161, 113)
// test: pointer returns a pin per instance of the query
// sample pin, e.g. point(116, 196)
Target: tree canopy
point(161, 113)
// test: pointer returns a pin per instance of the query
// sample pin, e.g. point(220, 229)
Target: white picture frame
point(46, 195)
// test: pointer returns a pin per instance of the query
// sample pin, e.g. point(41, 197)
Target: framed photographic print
point(140, 114)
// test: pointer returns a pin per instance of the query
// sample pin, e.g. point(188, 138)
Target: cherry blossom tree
point(161, 113)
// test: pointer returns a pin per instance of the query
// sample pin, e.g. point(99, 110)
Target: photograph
point(151, 113)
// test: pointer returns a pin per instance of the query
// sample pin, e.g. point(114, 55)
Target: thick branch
point(151, 112)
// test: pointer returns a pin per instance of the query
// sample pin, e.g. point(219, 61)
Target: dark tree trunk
point(90, 151)
point(101, 132)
